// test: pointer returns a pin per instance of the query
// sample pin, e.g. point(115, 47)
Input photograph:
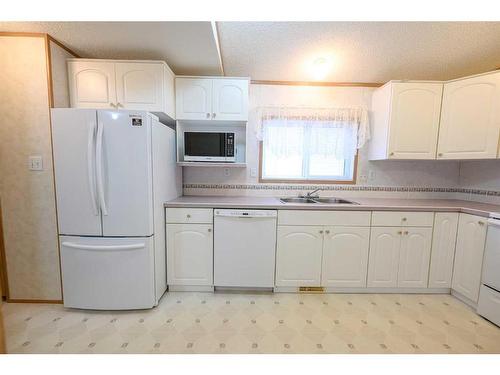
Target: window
point(299, 149)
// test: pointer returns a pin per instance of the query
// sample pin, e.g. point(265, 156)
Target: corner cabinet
point(212, 98)
point(120, 84)
point(470, 118)
point(406, 120)
point(469, 252)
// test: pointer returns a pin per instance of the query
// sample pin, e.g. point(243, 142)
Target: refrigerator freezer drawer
point(108, 273)
point(489, 304)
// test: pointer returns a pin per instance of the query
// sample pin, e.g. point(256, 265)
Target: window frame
point(306, 181)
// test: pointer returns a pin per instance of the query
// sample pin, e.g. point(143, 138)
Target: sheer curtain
point(338, 131)
point(311, 143)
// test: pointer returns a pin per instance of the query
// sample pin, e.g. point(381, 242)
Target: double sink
point(316, 200)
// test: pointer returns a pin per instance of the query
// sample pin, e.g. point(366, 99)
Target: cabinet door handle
point(209, 229)
point(112, 105)
point(406, 232)
point(327, 231)
point(208, 115)
point(440, 154)
point(119, 105)
point(320, 232)
point(400, 232)
point(480, 222)
point(188, 216)
point(404, 219)
point(213, 115)
point(391, 154)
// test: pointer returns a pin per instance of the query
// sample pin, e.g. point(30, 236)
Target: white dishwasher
point(244, 248)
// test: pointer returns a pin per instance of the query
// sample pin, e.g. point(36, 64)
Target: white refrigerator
point(114, 169)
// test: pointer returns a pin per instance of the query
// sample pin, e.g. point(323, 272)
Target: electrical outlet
point(362, 178)
point(227, 172)
point(35, 163)
point(371, 175)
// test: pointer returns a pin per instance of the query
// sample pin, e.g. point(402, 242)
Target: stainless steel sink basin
point(334, 201)
point(316, 200)
point(297, 200)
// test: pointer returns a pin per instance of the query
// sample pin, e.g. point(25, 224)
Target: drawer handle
point(404, 219)
point(188, 216)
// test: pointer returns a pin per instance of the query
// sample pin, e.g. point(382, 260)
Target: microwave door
point(201, 146)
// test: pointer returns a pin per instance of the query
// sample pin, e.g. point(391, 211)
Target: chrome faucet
point(310, 194)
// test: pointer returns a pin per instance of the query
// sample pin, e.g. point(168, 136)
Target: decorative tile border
point(343, 188)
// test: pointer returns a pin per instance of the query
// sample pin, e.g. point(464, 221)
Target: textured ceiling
point(187, 47)
point(359, 51)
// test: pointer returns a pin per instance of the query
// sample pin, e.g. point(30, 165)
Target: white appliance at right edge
point(114, 169)
point(489, 297)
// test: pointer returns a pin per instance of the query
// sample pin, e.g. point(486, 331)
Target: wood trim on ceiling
point(315, 83)
point(67, 49)
point(308, 182)
point(215, 31)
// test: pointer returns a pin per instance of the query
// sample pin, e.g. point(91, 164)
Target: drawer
point(402, 219)
point(189, 215)
point(489, 304)
point(306, 217)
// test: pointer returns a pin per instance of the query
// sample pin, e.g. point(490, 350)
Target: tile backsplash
point(472, 180)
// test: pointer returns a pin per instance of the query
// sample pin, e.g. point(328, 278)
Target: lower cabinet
point(345, 257)
point(190, 254)
point(469, 252)
point(414, 257)
point(399, 257)
point(443, 249)
point(384, 257)
point(329, 256)
point(298, 255)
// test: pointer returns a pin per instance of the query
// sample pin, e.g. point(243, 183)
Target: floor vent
point(311, 289)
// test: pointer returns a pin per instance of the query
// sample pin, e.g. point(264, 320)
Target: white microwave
point(209, 146)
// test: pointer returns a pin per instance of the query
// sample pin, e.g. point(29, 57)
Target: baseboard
point(190, 288)
point(48, 301)
point(287, 289)
point(228, 289)
point(464, 299)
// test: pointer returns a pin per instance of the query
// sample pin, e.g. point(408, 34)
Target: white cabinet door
point(91, 84)
point(414, 124)
point(414, 257)
point(230, 99)
point(469, 252)
point(443, 249)
point(298, 255)
point(384, 257)
point(470, 118)
point(139, 86)
point(189, 254)
point(345, 256)
point(193, 98)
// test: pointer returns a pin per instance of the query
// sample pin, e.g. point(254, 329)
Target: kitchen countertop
point(365, 204)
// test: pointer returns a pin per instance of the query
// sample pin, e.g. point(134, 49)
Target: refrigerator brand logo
point(136, 121)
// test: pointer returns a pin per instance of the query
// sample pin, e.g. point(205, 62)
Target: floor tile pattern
point(258, 323)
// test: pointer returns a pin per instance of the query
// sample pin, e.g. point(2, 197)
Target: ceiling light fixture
point(320, 68)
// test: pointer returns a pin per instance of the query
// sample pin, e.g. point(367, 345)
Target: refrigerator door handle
point(104, 247)
point(99, 168)
point(91, 166)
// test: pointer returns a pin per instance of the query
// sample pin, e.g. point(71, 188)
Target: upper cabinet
point(207, 98)
point(135, 85)
point(470, 118)
point(406, 120)
point(459, 119)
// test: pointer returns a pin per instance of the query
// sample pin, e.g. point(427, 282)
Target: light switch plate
point(253, 172)
point(35, 163)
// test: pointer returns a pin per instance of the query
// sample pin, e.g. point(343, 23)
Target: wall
point(60, 88)
point(480, 180)
point(400, 179)
point(28, 197)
